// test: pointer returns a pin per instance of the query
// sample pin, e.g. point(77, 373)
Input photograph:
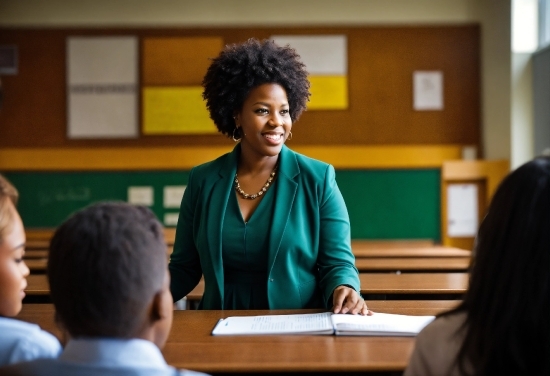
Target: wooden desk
point(38, 265)
point(191, 346)
point(37, 284)
point(414, 283)
point(40, 238)
point(362, 250)
point(371, 283)
point(391, 244)
point(35, 254)
point(410, 284)
point(412, 264)
point(42, 244)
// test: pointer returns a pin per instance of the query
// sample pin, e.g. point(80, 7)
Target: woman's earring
point(289, 136)
point(233, 136)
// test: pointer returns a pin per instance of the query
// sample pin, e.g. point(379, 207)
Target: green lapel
point(286, 192)
point(221, 188)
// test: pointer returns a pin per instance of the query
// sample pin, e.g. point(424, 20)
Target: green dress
point(245, 255)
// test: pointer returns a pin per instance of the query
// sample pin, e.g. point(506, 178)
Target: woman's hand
point(347, 300)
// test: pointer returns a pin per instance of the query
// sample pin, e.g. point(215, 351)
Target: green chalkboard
point(388, 204)
point(47, 198)
point(392, 204)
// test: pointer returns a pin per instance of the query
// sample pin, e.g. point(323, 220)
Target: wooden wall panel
point(381, 64)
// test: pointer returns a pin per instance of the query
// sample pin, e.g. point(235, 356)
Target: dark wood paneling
point(381, 64)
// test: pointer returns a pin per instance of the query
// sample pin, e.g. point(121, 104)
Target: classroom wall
point(493, 15)
point(101, 13)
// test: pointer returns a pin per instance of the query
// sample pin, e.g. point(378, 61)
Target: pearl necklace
point(261, 192)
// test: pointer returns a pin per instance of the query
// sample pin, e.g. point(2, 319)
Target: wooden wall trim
point(183, 158)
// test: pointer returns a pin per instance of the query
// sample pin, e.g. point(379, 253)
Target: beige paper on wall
point(102, 87)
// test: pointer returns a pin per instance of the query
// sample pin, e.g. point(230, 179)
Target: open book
point(379, 324)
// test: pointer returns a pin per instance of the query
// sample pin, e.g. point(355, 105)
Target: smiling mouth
point(273, 136)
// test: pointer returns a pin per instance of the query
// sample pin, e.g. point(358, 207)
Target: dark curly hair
point(241, 67)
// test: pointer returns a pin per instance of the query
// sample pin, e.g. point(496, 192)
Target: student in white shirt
point(19, 341)
point(109, 283)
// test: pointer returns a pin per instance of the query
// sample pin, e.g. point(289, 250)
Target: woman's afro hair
point(241, 67)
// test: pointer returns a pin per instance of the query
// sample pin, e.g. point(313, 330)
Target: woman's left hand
point(347, 300)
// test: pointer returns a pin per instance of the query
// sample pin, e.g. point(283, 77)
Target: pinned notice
point(462, 210)
point(428, 90)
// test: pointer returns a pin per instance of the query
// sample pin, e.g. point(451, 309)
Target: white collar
point(114, 352)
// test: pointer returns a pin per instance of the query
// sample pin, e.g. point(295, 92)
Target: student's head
point(240, 68)
point(108, 275)
point(12, 246)
point(508, 301)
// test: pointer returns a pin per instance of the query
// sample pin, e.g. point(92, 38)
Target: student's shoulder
point(442, 336)
point(184, 372)
point(47, 367)
point(27, 341)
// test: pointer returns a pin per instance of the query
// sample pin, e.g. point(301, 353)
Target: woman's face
point(264, 120)
point(13, 271)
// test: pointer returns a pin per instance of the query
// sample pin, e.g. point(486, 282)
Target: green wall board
point(387, 204)
point(392, 204)
point(46, 199)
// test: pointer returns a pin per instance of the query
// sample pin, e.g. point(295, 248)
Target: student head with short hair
point(502, 326)
point(107, 271)
point(19, 341)
point(109, 283)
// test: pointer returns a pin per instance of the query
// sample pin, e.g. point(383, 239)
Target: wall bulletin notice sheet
point(379, 324)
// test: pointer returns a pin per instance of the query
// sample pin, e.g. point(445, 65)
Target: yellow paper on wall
point(175, 110)
point(328, 93)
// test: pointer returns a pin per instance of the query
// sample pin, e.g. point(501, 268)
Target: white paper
point(173, 195)
point(322, 54)
point(171, 219)
point(141, 195)
point(428, 90)
point(102, 79)
point(316, 323)
point(462, 210)
point(380, 324)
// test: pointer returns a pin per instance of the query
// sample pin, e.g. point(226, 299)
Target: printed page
point(313, 323)
point(379, 324)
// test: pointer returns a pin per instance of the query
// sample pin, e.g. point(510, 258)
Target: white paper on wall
point(141, 195)
point(322, 54)
point(102, 92)
point(173, 195)
point(428, 90)
point(462, 210)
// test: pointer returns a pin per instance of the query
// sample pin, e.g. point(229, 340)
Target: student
point(109, 283)
point(19, 341)
point(502, 326)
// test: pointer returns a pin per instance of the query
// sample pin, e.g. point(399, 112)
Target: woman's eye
point(18, 260)
point(262, 111)
point(284, 112)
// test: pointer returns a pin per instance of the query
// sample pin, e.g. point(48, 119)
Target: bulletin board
point(377, 108)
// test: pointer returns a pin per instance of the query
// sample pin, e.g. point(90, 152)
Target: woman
point(267, 227)
point(502, 326)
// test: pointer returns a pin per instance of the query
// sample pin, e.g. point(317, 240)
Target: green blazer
point(309, 241)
